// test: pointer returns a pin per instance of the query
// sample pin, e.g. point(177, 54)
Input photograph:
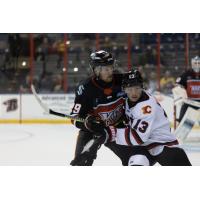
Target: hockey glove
point(93, 124)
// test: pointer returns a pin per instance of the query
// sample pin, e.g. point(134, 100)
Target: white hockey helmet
point(195, 62)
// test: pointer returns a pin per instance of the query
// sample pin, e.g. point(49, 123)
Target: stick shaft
point(52, 112)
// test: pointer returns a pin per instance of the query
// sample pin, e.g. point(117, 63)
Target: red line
point(186, 51)
point(174, 117)
point(136, 137)
point(97, 41)
point(129, 51)
point(127, 130)
point(31, 67)
point(65, 85)
point(158, 60)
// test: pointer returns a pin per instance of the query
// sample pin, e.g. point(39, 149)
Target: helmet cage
point(195, 62)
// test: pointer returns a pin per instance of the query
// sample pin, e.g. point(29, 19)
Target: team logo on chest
point(146, 110)
point(111, 112)
point(113, 116)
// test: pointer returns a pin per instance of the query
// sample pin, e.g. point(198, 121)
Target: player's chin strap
point(50, 111)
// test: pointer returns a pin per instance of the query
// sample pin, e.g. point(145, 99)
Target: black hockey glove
point(94, 124)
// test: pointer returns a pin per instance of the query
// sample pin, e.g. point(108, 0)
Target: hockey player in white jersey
point(148, 124)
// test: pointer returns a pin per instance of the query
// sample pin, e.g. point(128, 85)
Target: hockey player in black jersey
point(190, 81)
point(100, 101)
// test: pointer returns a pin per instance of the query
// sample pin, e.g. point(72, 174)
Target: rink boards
point(25, 109)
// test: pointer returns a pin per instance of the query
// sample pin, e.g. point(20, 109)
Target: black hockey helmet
point(101, 58)
point(132, 78)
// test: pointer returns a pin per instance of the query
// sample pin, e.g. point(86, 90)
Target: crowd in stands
point(49, 64)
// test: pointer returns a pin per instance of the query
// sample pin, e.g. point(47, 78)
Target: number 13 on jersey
point(139, 125)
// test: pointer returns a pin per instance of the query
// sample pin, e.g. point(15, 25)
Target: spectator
point(12, 87)
point(167, 82)
point(107, 44)
point(45, 83)
point(25, 87)
point(15, 44)
point(60, 46)
point(152, 83)
point(57, 84)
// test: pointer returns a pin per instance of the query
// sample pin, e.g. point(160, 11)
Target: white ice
point(55, 145)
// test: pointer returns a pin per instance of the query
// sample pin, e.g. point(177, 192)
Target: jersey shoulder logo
point(80, 90)
point(120, 94)
point(146, 110)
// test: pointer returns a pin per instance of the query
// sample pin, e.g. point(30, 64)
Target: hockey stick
point(180, 96)
point(50, 111)
point(187, 101)
point(191, 102)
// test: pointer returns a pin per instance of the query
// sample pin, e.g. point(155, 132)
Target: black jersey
point(191, 82)
point(104, 100)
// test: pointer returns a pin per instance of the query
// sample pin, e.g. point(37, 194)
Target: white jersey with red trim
point(148, 125)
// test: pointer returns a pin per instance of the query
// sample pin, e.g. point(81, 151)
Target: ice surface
point(54, 145)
